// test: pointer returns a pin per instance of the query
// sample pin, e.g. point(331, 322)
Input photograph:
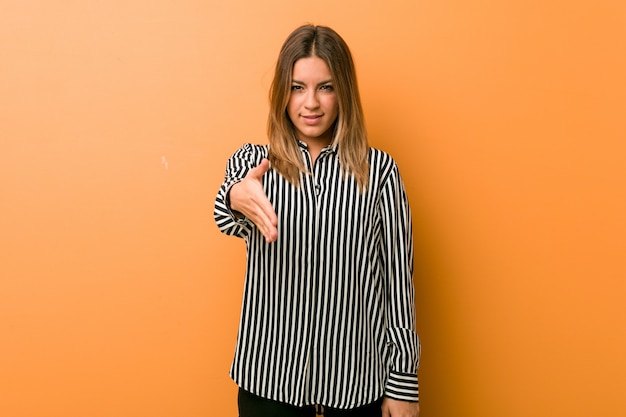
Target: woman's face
point(312, 106)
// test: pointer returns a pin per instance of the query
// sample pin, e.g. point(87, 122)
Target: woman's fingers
point(249, 198)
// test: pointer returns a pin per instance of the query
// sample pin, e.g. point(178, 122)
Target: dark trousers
point(251, 405)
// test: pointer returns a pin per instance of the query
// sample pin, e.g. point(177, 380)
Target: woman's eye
point(327, 87)
point(296, 87)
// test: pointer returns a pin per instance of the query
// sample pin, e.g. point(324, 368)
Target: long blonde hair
point(350, 134)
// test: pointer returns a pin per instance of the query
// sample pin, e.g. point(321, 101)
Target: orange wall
point(119, 297)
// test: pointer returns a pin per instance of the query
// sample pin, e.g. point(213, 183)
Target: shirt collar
point(330, 148)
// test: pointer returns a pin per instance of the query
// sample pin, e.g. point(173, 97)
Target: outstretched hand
point(248, 198)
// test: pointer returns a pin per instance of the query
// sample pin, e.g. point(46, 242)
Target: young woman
point(327, 323)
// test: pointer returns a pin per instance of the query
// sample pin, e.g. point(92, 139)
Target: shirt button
point(318, 188)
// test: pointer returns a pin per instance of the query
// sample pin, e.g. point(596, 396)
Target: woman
point(327, 322)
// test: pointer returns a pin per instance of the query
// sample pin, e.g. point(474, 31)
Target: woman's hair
point(349, 134)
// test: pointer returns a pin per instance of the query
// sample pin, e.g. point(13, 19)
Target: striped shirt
point(328, 313)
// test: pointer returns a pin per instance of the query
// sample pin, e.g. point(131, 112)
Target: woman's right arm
point(241, 202)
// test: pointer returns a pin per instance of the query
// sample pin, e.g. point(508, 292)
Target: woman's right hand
point(248, 198)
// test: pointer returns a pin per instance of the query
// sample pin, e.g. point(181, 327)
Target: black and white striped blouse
point(328, 313)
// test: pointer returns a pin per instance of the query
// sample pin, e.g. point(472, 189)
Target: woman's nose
point(311, 100)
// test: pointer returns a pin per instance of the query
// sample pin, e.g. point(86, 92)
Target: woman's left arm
point(397, 256)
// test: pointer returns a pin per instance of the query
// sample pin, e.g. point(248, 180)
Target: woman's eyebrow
point(318, 84)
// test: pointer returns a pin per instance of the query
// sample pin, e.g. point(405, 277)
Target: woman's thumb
point(260, 170)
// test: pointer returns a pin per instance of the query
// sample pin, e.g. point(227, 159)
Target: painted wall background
point(119, 297)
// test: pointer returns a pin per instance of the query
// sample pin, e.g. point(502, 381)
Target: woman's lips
point(312, 119)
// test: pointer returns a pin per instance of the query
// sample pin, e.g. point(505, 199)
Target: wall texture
point(119, 297)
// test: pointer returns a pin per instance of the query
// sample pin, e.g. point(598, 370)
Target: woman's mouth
point(311, 119)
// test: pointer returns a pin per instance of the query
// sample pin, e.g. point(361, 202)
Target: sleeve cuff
point(235, 215)
point(402, 387)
